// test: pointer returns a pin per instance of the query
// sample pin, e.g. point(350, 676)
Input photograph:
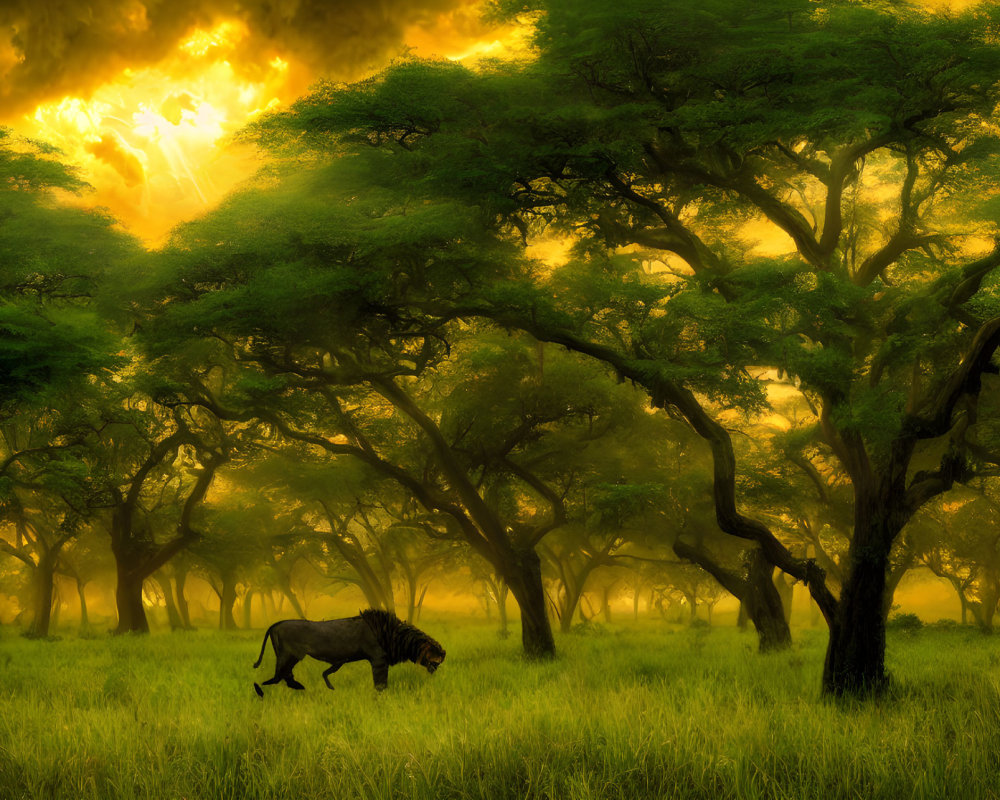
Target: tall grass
point(628, 712)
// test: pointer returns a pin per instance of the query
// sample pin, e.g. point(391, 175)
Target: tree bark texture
point(855, 656)
point(756, 591)
point(523, 576)
point(128, 597)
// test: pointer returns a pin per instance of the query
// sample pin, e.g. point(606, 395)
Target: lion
point(379, 637)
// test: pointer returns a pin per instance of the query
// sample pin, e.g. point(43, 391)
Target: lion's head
point(431, 656)
point(402, 641)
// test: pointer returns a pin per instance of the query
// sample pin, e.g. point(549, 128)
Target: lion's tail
point(263, 645)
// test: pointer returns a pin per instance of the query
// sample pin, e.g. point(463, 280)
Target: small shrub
point(908, 623)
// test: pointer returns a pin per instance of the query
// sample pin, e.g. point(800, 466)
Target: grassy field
point(630, 712)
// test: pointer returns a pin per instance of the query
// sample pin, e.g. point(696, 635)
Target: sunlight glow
point(200, 42)
point(154, 143)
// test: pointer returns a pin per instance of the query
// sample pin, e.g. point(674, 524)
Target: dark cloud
point(115, 153)
point(53, 48)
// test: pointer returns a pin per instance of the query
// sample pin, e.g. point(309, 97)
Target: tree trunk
point(523, 575)
point(571, 602)
point(502, 591)
point(855, 656)
point(420, 601)
point(983, 613)
point(574, 586)
point(411, 597)
point(786, 591)
point(606, 604)
point(764, 605)
point(893, 578)
point(635, 605)
point(692, 601)
point(57, 604)
point(248, 609)
point(128, 599)
point(987, 623)
point(757, 593)
point(742, 618)
point(173, 615)
point(374, 596)
point(990, 595)
point(286, 591)
point(487, 602)
point(180, 578)
point(227, 599)
point(43, 589)
point(81, 587)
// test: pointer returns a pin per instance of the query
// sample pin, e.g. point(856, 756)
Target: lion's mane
point(400, 640)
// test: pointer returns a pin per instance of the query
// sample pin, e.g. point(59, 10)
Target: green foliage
point(615, 504)
point(758, 108)
point(51, 258)
point(906, 622)
point(39, 353)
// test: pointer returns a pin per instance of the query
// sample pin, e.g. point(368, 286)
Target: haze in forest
point(565, 315)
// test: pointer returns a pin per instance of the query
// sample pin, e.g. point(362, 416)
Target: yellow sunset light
point(224, 36)
point(154, 143)
point(154, 136)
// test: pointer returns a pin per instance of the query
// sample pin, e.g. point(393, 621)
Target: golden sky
point(143, 95)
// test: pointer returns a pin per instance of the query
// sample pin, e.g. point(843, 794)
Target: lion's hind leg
point(283, 672)
point(333, 668)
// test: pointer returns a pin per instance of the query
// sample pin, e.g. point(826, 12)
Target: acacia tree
point(961, 543)
point(234, 544)
point(318, 336)
point(39, 536)
point(87, 561)
point(419, 550)
point(853, 132)
point(796, 485)
point(337, 509)
point(55, 350)
point(157, 464)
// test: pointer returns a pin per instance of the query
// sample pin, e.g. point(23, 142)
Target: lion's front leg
point(380, 673)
